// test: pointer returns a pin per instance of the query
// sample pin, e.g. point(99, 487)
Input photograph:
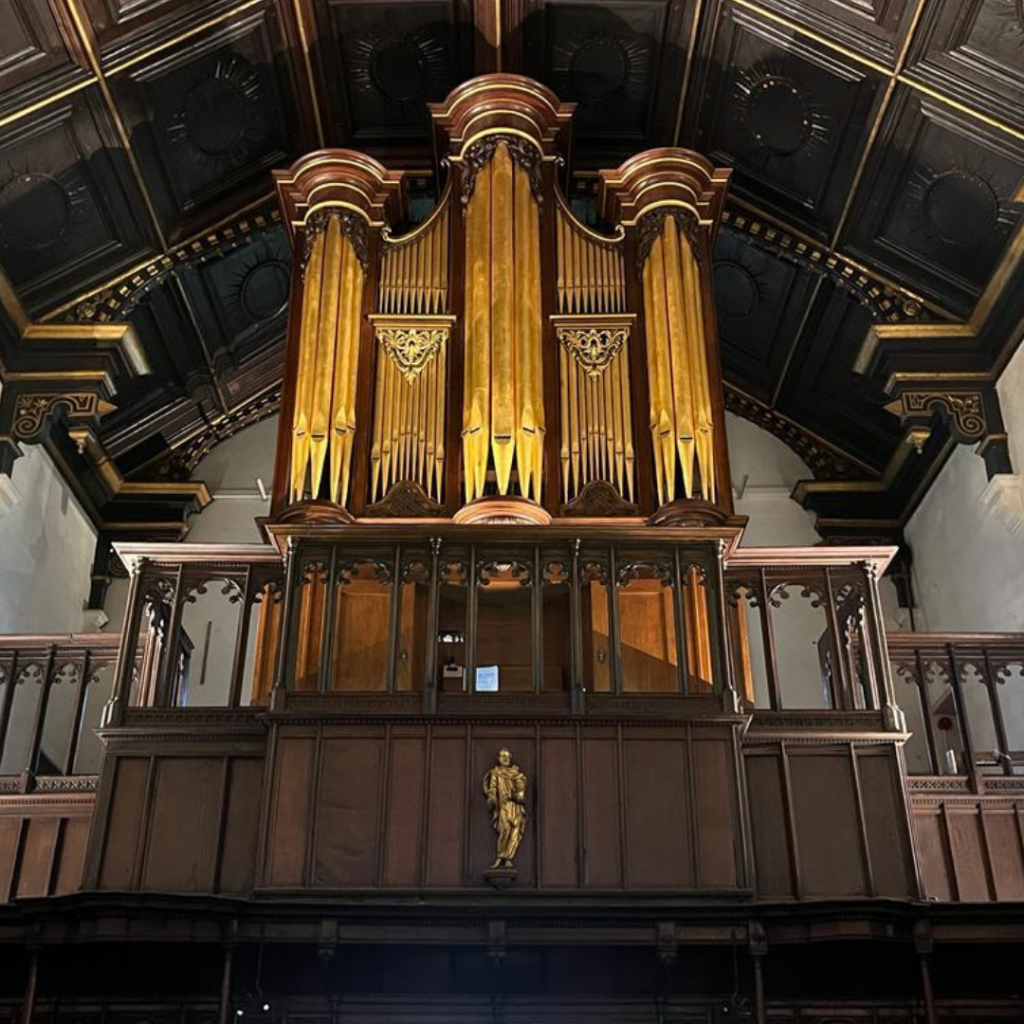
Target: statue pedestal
point(500, 878)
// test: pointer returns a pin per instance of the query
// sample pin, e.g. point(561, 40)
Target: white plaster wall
point(46, 550)
point(764, 472)
point(230, 472)
point(968, 565)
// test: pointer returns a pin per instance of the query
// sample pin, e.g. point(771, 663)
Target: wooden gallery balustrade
point(232, 745)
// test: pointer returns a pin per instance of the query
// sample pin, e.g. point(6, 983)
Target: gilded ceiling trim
point(111, 300)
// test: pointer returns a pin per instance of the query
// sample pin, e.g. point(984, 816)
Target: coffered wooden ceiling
point(870, 255)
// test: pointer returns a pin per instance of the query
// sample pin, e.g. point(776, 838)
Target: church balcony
point(216, 748)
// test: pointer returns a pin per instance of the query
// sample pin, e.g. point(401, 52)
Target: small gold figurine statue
point(505, 789)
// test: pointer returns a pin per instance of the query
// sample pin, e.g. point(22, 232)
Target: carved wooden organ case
point(502, 359)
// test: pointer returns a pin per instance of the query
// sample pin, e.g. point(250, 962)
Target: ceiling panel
point(761, 301)
point(621, 62)
point(974, 51)
point(383, 63)
point(821, 391)
point(34, 58)
point(935, 207)
point(875, 28)
point(208, 121)
point(69, 210)
point(790, 115)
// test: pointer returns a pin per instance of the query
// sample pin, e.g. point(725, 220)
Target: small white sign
point(487, 679)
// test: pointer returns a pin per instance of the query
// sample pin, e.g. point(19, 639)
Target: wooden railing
point(53, 689)
point(963, 697)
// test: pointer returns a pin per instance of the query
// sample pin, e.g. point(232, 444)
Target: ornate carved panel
point(791, 115)
point(384, 62)
point(211, 119)
point(935, 206)
point(69, 212)
point(976, 52)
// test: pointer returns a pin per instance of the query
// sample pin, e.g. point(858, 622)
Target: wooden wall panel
point(659, 850)
point(933, 854)
point(120, 853)
point(289, 811)
point(10, 835)
point(825, 810)
point(963, 826)
point(39, 840)
point(885, 819)
point(558, 814)
point(185, 822)
point(241, 825)
point(969, 848)
point(71, 862)
point(716, 814)
point(767, 800)
point(446, 818)
point(42, 844)
point(602, 858)
point(404, 824)
point(1006, 854)
point(348, 804)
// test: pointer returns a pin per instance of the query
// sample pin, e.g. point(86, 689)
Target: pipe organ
point(502, 352)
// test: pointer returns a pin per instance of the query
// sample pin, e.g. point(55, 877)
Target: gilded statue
point(505, 789)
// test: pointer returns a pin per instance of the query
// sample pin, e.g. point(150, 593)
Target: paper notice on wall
point(487, 679)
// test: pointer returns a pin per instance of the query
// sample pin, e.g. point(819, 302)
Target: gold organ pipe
point(563, 419)
point(681, 414)
point(503, 347)
point(324, 422)
point(307, 361)
point(477, 404)
point(679, 340)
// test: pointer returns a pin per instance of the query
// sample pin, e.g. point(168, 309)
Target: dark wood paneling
point(933, 854)
point(658, 814)
point(970, 849)
point(403, 833)
point(73, 848)
point(290, 811)
point(31, 50)
point(557, 814)
point(885, 821)
point(348, 807)
point(121, 847)
point(966, 844)
point(824, 803)
point(772, 857)
point(184, 859)
point(42, 845)
point(39, 840)
point(446, 819)
point(241, 825)
point(602, 810)
point(715, 814)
